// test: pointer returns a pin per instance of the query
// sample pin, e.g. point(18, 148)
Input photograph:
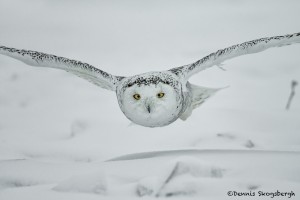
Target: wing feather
point(221, 55)
point(83, 70)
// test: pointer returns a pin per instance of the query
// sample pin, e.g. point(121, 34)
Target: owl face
point(151, 101)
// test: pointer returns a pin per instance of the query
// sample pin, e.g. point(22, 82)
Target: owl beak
point(148, 104)
point(149, 108)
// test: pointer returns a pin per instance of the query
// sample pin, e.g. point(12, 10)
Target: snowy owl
point(153, 99)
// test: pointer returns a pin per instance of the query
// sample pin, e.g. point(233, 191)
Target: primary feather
point(221, 55)
point(83, 70)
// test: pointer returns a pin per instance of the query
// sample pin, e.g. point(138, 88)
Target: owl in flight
point(153, 99)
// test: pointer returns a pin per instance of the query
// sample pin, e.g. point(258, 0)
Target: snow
point(89, 183)
point(64, 138)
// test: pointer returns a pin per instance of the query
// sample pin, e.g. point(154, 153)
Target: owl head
point(151, 99)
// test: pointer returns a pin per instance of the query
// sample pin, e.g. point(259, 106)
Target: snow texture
point(64, 138)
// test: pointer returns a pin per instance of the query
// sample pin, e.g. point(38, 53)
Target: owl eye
point(160, 95)
point(137, 96)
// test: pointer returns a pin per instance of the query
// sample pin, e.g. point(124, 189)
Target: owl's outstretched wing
point(83, 70)
point(221, 55)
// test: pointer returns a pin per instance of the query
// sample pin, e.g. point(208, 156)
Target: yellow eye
point(137, 96)
point(160, 95)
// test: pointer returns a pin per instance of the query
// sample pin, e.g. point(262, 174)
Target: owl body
point(154, 99)
point(150, 109)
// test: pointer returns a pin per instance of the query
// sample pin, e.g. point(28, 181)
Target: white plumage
point(155, 98)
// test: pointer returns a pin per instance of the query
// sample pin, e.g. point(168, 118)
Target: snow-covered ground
point(64, 138)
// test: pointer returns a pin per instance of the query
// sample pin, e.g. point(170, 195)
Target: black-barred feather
point(83, 70)
point(221, 55)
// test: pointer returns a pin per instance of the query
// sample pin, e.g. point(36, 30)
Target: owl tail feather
point(199, 96)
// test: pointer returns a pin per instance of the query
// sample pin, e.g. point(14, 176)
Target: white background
point(50, 115)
